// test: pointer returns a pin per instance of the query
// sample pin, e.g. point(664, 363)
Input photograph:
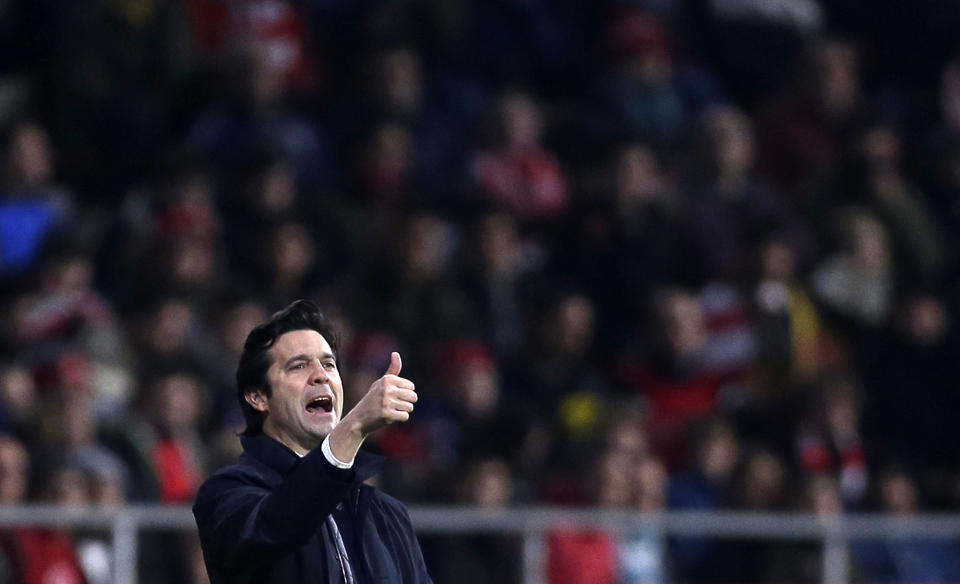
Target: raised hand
point(390, 399)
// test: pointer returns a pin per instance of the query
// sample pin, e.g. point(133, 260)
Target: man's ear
point(257, 400)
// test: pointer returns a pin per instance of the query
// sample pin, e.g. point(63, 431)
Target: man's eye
point(298, 366)
point(330, 365)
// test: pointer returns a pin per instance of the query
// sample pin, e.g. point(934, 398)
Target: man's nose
point(319, 374)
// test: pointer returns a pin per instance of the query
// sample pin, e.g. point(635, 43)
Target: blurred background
point(652, 255)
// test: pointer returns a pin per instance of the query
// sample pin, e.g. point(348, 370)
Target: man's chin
point(322, 430)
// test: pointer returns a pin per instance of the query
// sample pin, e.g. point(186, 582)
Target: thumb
point(395, 364)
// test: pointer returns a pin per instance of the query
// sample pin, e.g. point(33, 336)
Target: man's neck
point(298, 450)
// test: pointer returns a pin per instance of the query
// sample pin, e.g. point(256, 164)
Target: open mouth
point(320, 404)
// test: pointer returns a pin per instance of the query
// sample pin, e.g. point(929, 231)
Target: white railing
point(532, 523)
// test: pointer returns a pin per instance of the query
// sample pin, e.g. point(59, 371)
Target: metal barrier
point(532, 523)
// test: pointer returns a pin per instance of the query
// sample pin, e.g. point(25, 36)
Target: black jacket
point(261, 520)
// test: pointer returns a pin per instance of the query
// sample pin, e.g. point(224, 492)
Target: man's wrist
point(331, 457)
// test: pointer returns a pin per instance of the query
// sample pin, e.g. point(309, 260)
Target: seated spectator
point(829, 441)
point(500, 277)
point(162, 445)
point(672, 373)
point(35, 555)
point(414, 136)
point(856, 282)
point(485, 483)
point(516, 171)
point(909, 370)
point(629, 227)
point(643, 553)
point(274, 28)
point(70, 485)
point(18, 398)
point(69, 437)
point(386, 175)
point(729, 210)
point(762, 482)
point(706, 485)
point(237, 316)
point(170, 333)
point(65, 309)
point(32, 207)
point(900, 558)
point(190, 260)
point(650, 94)
point(582, 556)
point(417, 291)
point(558, 357)
point(760, 487)
point(15, 475)
point(800, 133)
point(882, 185)
point(287, 264)
point(251, 111)
point(788, 325)
point(802, 561)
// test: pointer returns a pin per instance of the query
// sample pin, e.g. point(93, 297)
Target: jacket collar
point(283, 460)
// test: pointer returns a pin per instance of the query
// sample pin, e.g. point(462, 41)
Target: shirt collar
point(280, 458)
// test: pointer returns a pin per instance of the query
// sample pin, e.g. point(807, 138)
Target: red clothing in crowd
point(43, 556)
point(177, 472)
point(529, 184)
point(582, 557)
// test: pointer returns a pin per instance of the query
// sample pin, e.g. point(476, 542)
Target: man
point(294, 508)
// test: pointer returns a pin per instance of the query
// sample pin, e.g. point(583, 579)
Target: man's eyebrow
point(295, 358)
point(304, 357)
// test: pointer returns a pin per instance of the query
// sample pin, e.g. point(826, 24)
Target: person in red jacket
point(31, 555)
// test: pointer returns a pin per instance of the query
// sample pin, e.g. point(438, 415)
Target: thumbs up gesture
point(390, 399)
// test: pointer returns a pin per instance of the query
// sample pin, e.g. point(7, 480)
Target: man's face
point(307, 394)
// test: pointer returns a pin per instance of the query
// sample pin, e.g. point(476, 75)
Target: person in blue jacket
point(294, 507)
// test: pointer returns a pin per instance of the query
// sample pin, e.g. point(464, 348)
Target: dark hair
point(256, 359)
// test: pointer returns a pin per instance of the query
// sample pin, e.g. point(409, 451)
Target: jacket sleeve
point(245, 525)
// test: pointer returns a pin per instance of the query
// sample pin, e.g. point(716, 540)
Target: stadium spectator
point(671, 373)
point(643, 93)
point(250, 112)
point(70, 437)
point(37, 555)
point(829, 441)
point(577, 555)
point(706, 485)
point(788, 324)
point(899, 558)
point(629, 227)
point(515, 170)
point(803, 561)
point(729, 210)
point(800, 133)
point(32, 206)
point(915, 358)
point(475, 558)
point(644, 553)
point(857, 282)
point(18, 399)
point(499, 279)
point(884, 188)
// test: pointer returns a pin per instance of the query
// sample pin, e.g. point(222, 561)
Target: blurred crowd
point(637, 254)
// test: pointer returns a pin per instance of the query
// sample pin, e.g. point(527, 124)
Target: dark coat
point(261, 520)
